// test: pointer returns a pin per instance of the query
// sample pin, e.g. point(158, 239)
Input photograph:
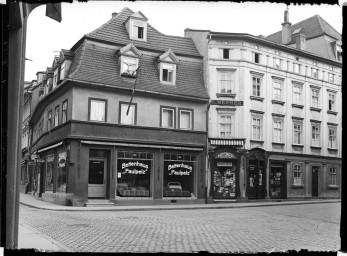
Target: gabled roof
point(98, 64)
point(130, 49)
point(114, 31)
point(168, 56)
point(312, 27)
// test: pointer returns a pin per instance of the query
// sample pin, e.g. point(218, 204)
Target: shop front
point(256, 187)
point(278, 180)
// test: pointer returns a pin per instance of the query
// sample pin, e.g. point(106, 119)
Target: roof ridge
point(182, 37)
point(83, 45)
point(103, 25)
point(320, 19)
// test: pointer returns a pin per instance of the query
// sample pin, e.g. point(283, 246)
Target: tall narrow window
point(256, 57)
point(332, 138)
point(277, 63)
point(297, 94)
point(168, 73)
point(225, 53)
point(225, 82)
point(315, 98)
point(296, 68)
point(130, 118)
point(138, 32)
point(64, 112)
point(331, 77)
point(256, 86)
point(186, 119)
point(314, 73)
point(297, 129)
point(49, 120)
point(129, 66)
point(277, 90)
point(278, 130)
point(97, 110)
point(56, 116)
point(316, 134)
point(332, 101)
point(256, 128)
point(167, 117)
point(225, 126)
point(332, 176)
point(297, 174)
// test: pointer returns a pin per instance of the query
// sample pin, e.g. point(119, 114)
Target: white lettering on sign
point(173, 171)
point(172, 166)
point(126, 166)
point(180, 172)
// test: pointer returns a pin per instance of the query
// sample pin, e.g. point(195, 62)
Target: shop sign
point(224, 164)
point(134, 168)
point(226, 155)
point(33, 157)
point(227, 102)
point(50, 158)
point(39, 160)
point(61, 159)
point(32, 162)
point(180, 169)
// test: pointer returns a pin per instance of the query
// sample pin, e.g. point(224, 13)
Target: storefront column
point(267, 194)
point(340, 178)
point(289, 177)
point(208, 180)
point(307, 180)
point(323, 187)
point(243, 177)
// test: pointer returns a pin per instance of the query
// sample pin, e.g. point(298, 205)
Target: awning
point(50, 147)
point(139, 145)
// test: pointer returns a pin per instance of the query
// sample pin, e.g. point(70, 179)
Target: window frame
point(332, 137)
point(173, 109)
point(174, 72)
point(56, 116)
point(297, 175)
point(191, 118)
point(123, 60)
point(299, 132)
point(278, 129)
point(275, 89)
point(49, 120)
point(332, 176)
point(228, 86)
point(297, 94)
point(314, 73)
point(230, 114)
point(257, 130)
point(121, 103)
point(332, 100)
point(315, 134)
point(315, 103)
point(331, 77)
point(277, 65)
point(260, 85)
point(298, 68)
point(64, 111)
point(225, 51)
point(134, 27)
point(89, 109)
point(256, 57)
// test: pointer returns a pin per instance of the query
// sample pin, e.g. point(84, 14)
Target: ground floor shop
point(75, 172)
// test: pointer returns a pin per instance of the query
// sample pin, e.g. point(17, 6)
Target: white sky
point(44, 35)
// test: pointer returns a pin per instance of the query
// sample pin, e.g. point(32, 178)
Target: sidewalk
point(31, 201)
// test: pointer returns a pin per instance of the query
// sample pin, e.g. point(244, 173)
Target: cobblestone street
point(256, 229)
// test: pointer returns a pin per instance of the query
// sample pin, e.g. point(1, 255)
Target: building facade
point(274, 123)
point(124, 119)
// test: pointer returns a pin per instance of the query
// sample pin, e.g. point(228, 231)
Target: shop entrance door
point(277, 180)
point(97, 178)
point(256, 179)
point(314, 181)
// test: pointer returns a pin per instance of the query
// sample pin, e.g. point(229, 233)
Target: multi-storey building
point(274, 125)
point(124, 118)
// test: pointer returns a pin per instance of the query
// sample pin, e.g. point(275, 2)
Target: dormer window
point(129, 61)
point(167, 67)
point(136, 26)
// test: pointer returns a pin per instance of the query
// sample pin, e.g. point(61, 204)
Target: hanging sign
point(134, 168)
point(180, 169)
point(39, 160)
point(224, 164)
point(61, 159)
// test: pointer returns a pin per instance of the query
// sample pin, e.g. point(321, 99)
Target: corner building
point(274, 122)
point(100, 139)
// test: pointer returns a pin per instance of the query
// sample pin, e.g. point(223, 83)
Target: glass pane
point(96, 172)
point(185, 120)
point(97, 111)
point(130, 118)
point(167, 118)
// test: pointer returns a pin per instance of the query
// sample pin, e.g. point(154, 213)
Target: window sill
point(229, 95)
point(298, 145)
point(297, 186)
point(257, 141)
point(315, 109)
point(333, 149)
point(167, 83)
point(316, 147)
point(256, 98)
point(128, 75)
point(332, 112)
point(278, 102)
point(278, 143)
point(297, 106)
point(333, 187)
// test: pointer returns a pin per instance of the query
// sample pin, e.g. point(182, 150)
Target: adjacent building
point(274, 122)
point(122, 117)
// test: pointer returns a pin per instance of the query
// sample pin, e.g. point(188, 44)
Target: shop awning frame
point(50, 147)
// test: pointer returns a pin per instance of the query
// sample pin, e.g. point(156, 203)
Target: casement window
point(297, 130)
point(138, 30)
point(332, 176)
point(225, 53)
point(167, 117)
point(168, 73)
point(56, 116)
point(277, 63)
point(332, 143)
point(256, 57)
point(62, 71)
point(331, 77)
point(186, 119)
point(296, 68)
point(49, 120)
point(225, 82)
point(256, 86)
point(55, 78)
point(225, 123)
point(315, 134)
point(332, 101)
point(297, 94)
point(97, 110)
point(297, 174)
point(314, 73)
point(315, 97)
point(131, 117)
point(257, 128)
point(277, 89)
point(129, 66)
point(64, 112)
point(338, 52)
point(278, 130)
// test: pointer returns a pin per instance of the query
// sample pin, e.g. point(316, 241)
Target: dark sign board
point(227, 102)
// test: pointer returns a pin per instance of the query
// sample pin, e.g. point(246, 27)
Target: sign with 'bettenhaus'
point(227, 102)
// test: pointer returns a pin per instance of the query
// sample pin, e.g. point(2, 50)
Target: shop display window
point(134, 174)
point(224, 180)
point(49, 172)
point(276, 180)
point(61, 179)
point(179, 175)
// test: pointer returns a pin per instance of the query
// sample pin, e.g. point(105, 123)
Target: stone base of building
point(58, 198)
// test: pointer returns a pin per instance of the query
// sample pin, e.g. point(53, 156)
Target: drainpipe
point(207, 156)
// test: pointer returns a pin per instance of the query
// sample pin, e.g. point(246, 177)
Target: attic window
point(129, 66)
point(138, 32)
point(167, 65)
point(168, 73)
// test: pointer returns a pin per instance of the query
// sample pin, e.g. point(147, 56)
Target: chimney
point(300, 41)
point(114, 14)
point(286, 28)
